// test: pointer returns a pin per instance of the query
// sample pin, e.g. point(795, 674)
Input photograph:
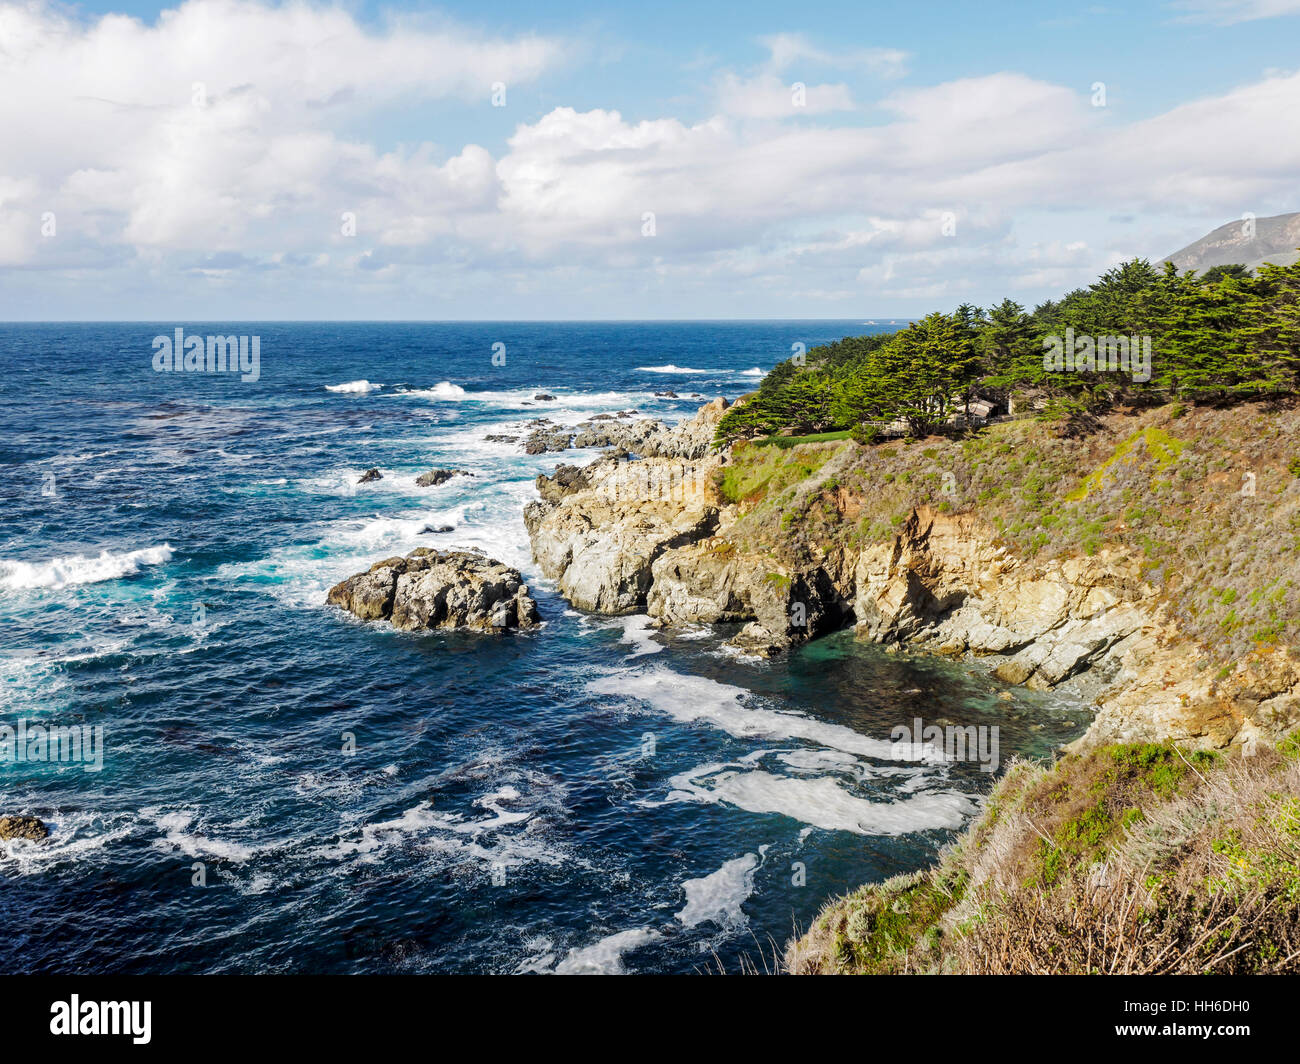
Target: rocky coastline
point(654, 533)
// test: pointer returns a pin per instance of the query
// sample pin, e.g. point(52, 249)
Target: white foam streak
point(80, 569)
point(353, 387)
point(718, 897)
point(606, 956)
point(821, 802)
point(697, 698)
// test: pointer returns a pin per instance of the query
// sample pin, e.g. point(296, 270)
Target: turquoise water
point(284, 788)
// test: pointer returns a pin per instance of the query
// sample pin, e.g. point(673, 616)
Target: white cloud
point(767, 96)
point(787, 49)
point(97, 124)
point(217, 128)
point(1228, 12)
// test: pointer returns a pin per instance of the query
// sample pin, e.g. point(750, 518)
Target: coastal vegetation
point(1125, 859)
point(1138, 336)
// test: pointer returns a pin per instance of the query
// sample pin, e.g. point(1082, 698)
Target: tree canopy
point(1137, 335)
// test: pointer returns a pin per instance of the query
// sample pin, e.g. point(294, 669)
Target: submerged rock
point(439, 589)
point(369, 475)
point(435, 477)
point(23, 827)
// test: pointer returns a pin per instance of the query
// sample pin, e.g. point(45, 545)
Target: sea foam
point(353, 387)
point(80, 568)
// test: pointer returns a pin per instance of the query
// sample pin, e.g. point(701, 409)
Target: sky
point(246, 160)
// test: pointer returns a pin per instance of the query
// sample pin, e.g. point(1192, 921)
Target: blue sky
point(202, 160)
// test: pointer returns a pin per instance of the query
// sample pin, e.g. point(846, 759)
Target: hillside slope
point(1275, 239)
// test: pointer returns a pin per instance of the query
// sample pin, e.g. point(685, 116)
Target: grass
point(757, 474)
point(1125, 859)
point(786, 442)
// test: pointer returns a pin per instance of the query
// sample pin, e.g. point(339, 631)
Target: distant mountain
point(1275, 240)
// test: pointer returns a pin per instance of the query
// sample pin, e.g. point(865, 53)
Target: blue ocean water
point(286, 789)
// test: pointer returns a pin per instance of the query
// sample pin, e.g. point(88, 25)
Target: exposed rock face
point(689, 439)
point(370, 475)
point(1272, 240)
point(634, 437)
point(439, 589)
point(435, 477)
point(541, 440)
point(598, 531)
point(710, 582)
point(564, 481)
point(652, 534)
point(22, 827)
point(943, 580)
point(943, 583)
point(645, 437)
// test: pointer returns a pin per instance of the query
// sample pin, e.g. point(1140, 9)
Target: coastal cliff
point(1128, 568)
point(794, 542)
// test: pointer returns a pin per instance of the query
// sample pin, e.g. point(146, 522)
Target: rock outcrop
point(645, 437)
point(370, 475)
point(439, 589)
point(23, 827)
point(435, 477)
point(711, 582)
point(598, 531)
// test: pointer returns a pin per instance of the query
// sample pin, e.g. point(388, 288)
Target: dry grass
point(1124, 860)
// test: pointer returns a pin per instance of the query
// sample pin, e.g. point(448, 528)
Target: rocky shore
point(654, 533)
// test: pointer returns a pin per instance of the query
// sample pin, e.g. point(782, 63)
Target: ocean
point(284, 788)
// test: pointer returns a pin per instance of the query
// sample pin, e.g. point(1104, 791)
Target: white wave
point(441, 390)
point(821, 802)
point(697, 698)
point(670, 368)
point(718, 897)
point(606, 956)
point(80, 569)
point(819, 762)
point(299, 575)
point(354, 387)
point(178, 836)
point(755, 372)
point(73, 837)
point(561, 409)
point(637, 633)
point(503, 840)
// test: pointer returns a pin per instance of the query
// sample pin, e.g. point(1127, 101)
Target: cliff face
point(945, 584)
point(674, 536)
